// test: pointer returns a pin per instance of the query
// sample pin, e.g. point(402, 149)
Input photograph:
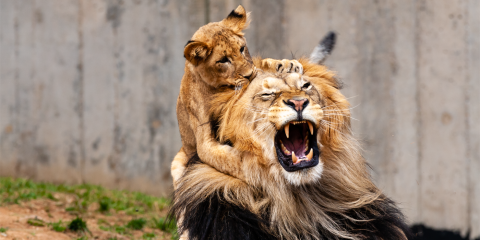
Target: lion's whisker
point(332, 127)
point(341, 115)
point(260, 119)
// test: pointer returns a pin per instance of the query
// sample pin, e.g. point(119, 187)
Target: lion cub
point(217, 59)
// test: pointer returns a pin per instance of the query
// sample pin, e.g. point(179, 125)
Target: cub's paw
point(284, 66)
point(230, 153)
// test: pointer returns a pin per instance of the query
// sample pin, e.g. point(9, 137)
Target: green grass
point(137, 224)
point(141, 206)
point(3, 230)
point(149, 236)
point(120, 229)
point(105, 204)
point(36, 222)
point(164, 225)
point(15, 191)
point(77, 225)
point(58, 226)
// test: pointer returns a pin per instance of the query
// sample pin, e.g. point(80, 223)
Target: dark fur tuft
point(216, 219)
point(338, 83)
point(385, 221)
point(324, 48)
point(328, 42)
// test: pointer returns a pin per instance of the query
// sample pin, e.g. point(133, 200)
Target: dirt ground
point(14, 219)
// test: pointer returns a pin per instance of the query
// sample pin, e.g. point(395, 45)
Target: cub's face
point(218, 52)
point(229, 63)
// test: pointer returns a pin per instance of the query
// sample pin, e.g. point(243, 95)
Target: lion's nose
point(297, 104)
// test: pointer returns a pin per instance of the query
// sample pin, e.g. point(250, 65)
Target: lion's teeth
point(310, 155)
point(306, 145)
point(287, 128)
point(311, 127)
point(294, 158)
point(284, 149)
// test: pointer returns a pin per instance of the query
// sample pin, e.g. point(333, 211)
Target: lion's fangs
point(287, 127)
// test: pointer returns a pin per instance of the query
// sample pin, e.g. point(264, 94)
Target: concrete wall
point(88, 89)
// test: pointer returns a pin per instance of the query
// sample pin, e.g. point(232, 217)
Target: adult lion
point(304, 176)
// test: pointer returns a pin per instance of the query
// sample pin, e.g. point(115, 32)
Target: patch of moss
point(36, 222)
point(78, 225)
point(58, 226)
point(149, 236)
point(137, 224)
point(120, 229)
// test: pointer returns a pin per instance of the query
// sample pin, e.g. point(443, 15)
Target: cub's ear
point(237, 20)
point(195, 52)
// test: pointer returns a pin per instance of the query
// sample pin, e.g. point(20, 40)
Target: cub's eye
point(223, 60)
point(306, 86)
point(242, 49)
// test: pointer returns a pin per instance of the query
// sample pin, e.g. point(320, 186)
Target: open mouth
point(296, 146)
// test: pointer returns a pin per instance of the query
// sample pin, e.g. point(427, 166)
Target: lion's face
point(280, 116)
point(295, 112)
point(218, 52)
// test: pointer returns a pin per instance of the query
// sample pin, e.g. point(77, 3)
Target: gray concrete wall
point(88, 89)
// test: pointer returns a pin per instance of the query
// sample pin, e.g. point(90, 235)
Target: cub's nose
point(250, 76)
point(297, 104)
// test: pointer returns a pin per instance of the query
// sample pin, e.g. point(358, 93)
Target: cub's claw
point(289, 66)
point(284, 66)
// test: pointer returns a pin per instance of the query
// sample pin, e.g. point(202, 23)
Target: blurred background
point(88, 90)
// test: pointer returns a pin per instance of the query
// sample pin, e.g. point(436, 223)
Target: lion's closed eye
point(267, 96)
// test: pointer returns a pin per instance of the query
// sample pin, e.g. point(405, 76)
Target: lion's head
point(291, 119)
point(218, 51)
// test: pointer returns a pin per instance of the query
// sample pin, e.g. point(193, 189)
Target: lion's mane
point(343, 204)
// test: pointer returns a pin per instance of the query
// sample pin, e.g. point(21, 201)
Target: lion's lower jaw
point(304, 176)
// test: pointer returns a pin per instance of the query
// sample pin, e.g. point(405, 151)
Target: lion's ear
point(237, 20)
point(195, 51)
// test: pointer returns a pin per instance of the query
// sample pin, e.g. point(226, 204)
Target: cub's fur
point(217, 60)
point(326, 195)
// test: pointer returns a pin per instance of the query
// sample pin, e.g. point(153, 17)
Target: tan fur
point(215, 63)
point(249, 120)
